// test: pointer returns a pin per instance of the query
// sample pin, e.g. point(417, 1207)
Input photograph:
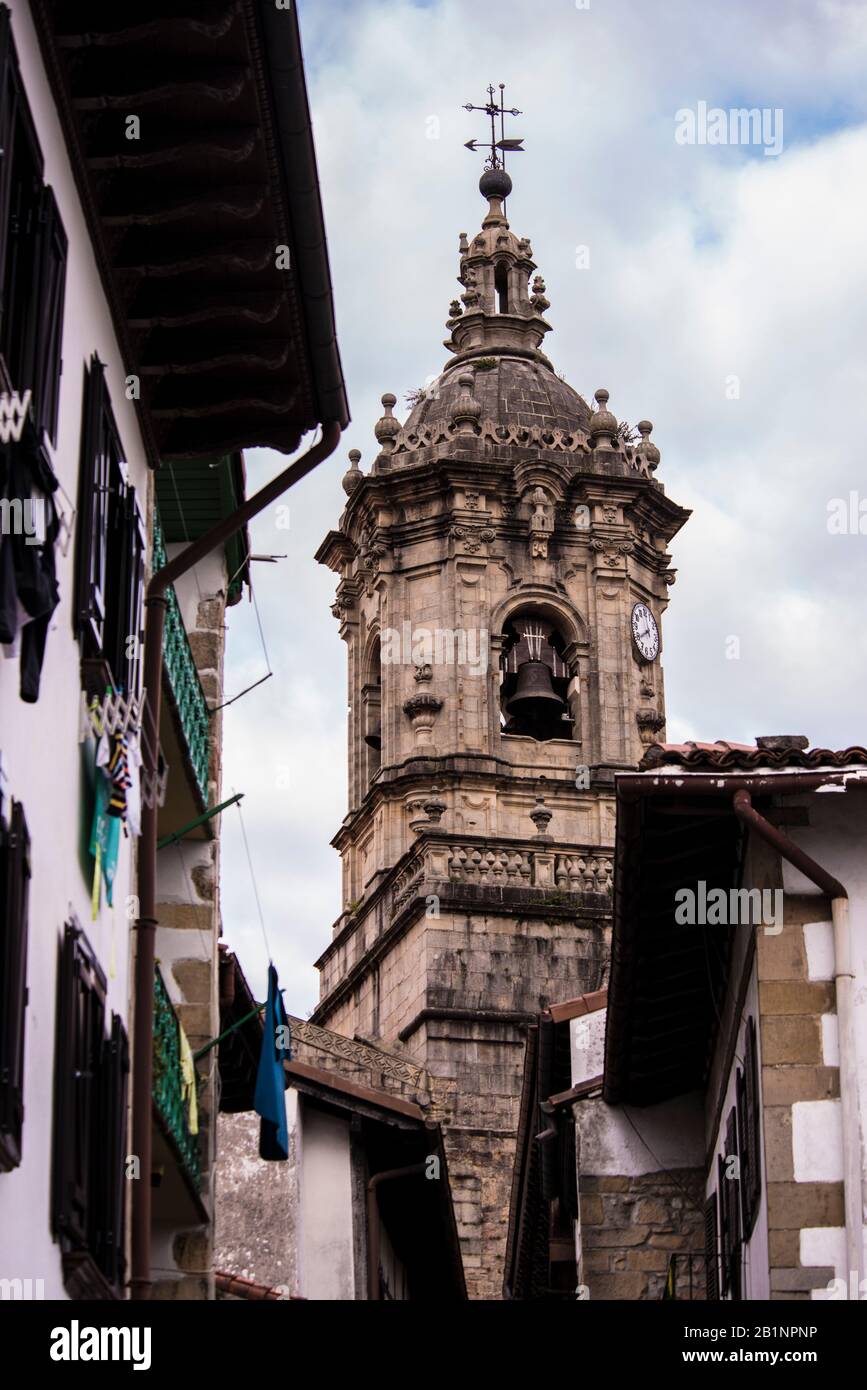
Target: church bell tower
point(503, 572)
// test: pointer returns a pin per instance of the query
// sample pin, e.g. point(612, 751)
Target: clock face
point(645, 633)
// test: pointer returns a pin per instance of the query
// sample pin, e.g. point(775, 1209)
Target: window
point(749, 1129)
point(501, 286)
point(371, 701)
point(730, 1211)
point(33, 250)
point(90, 1080)
point(14, 886)
point(711, 1254)
point(110, 547)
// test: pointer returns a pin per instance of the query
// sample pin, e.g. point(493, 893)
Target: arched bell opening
point(372, 703)
point(501, 287)
point(535, 679)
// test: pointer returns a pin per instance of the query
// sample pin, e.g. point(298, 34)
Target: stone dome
point(515, 391)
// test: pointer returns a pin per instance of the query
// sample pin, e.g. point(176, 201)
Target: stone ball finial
point(603, 425)
point(539, 300)
point(353, 476)
point(434, 806)
point(495, 183)
point(466, 409)
point(541, 817)
point(647, 450)
point(387, 428)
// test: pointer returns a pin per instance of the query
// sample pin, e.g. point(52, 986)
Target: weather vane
point(492, 110)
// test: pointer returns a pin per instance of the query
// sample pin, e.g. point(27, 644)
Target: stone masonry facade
point(632, 1226)
point(476, 852)
point(795, 1070)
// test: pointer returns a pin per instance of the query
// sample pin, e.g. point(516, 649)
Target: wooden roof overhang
point(675, 829)
point(667, 980)
point(205, 216)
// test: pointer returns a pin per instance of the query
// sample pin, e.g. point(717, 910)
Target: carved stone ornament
point(541, 524)
point(541, 817)
point(650, 721)
point(422, 710)
point(472, 538)
point(343, 604)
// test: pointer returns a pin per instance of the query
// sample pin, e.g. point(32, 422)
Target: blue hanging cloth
point(269, 1101)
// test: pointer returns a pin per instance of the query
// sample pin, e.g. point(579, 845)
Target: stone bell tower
point(503, 570)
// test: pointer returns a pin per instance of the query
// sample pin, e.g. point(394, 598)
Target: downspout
point(146, 925)
point(844, 979)
point(414, 1170)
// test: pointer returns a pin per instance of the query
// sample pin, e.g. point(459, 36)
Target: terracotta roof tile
point(724, 756)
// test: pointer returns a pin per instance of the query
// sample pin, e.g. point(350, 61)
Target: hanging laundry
point(189, 1081)
point(133, 795)
point(118, 771)
point(269, 1101)
point(105, 830)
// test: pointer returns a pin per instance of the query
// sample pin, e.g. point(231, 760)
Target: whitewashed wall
point(837, 839)
point(618, 1140)
point(326, 1263)
point(39, 743)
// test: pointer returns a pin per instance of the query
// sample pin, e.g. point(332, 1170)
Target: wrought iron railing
point(168, 1089)
point(686, 1279)
point(183, 677)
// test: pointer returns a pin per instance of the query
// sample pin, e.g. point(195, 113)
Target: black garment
point(27, 571)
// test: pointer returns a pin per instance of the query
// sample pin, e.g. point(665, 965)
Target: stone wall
point(800, 1078)
point(256, 1213)
point(630, 1228)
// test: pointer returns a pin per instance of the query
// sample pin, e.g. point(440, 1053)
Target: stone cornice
point(538, 874)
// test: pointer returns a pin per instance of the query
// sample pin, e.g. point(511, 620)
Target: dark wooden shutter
point(8, 106)
point(47, 316)
point(14, 892)
point(107, 1243)
point(731, 1212)
point(80, 1027)
point(22, 189)
point(711, 1252)
point(92, 529)
point(749, 1126)
point(127, 551)
point(135, 587)
point(723, 1230)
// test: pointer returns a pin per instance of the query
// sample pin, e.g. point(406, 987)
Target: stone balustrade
point(484, 862)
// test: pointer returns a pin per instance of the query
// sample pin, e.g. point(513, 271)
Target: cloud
point(706, 264)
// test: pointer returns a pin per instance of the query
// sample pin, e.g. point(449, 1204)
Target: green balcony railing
point(183, 677)
point(167, 1085)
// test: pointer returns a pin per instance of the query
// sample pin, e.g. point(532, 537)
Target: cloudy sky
point(724, 300)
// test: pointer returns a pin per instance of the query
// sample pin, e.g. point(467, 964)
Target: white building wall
point(628, 1141)
point(326, 1268)
point(41, 755)
point(837, 839)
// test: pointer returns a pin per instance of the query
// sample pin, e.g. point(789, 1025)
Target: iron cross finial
point(492, 110)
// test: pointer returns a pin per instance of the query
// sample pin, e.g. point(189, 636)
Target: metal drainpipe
point(146, 925)
point(390, 1175)
point(844, 980)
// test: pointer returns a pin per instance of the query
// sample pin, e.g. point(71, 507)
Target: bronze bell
point(534, 693)
point(374, 738)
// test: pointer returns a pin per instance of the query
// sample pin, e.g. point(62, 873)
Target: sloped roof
point(206, 223)
point(725, 756)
